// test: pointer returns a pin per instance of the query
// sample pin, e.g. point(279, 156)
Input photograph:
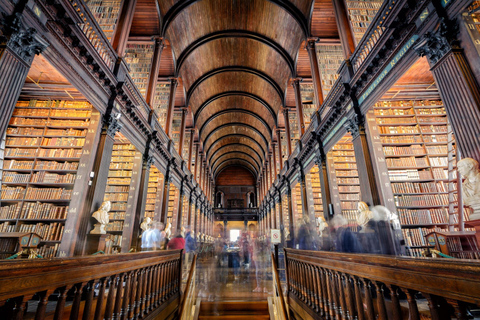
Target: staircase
point(234, 310)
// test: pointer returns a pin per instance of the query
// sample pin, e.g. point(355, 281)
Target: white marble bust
point(469, 169)
point(102, 217)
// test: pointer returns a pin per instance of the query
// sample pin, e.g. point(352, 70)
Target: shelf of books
point(361, 14)
point(154, 194)
point(186, 144)
point(297, 204)
point(44, 143)
point(307, 92)
point(139, 60)
point(283, 145)
point(314, 192)
point(416, 144)
point(176, 127)
point(286, 220)
point(122, 176)
point(105, 13)
point(185, 210)
point(294, 126)
point(342, 169)
point(472, 19)
point(172, 194)
point(162, 93)
point(329, 57)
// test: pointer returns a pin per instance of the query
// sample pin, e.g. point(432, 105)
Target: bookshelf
point(45, 144)
point(172, 200)
point(162, 93)
point(185, 210)
point(186, 144)
point(361, 14)
point(329, 57)
point(416, 144)
point(105, 13)
point(283, 144)
point(286, 220)
point(307, 93)
point(154, 194)
point(176, 127)
point(120, 191)
point(294, 127)
point(342, 169)
point(297, 204)
point(314, 192)
point(139, 60)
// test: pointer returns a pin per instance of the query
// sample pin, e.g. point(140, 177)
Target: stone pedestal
point(95, 243)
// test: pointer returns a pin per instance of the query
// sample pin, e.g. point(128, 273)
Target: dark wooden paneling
point(323, 23)
point(145, 20)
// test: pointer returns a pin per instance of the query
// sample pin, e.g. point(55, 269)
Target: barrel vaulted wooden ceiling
point(235, 59)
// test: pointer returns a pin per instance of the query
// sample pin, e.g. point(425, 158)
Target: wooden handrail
point(279, 300)
point(129, 285)
point(338, 285)
point(186, 308)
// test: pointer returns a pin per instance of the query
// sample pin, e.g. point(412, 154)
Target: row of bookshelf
point(419, 187)
point(55, 104)
point(48, 231)
point(423, 216)
point(421, 200)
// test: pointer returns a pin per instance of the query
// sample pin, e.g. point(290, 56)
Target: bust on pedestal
point(102, 217)
point(469, 169)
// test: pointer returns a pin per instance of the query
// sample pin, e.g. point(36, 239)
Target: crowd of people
point(375, 231)
point(156, 237)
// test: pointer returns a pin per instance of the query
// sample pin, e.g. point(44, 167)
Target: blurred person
point(260, 260)
point(305, 239)
point(345, 238)
point(324, 236)
point(388, 240)
point(176, 243)
point(148, 238)
point(190, 244)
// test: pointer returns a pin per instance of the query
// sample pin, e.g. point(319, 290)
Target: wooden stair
point(234, 310)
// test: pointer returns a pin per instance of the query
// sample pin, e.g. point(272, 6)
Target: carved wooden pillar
point(122, 29)
point(303, 188)
point(298, 104)
point(147, 162)
point(458, 87)
point(344, 28)
point(317, 80)
point(190, 150)
point(171, 106)
point(182, 132)
point(166, 195)
point(287, 131)
point(280, 220)
point(18, 46)
point(321, 161)
point(366, 174)
point(280, 158)
point(153, 76)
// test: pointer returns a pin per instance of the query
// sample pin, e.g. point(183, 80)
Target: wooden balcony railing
point(187, 308)
point(278, 298)
point(330, 285)
point(124, 286)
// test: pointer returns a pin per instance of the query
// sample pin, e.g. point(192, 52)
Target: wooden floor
point(215, 283)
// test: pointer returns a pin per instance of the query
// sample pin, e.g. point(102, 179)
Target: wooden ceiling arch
point(236, 155)
point(231, 69)
point(237, 94)
point(234, 146)
point(232, 128)
point(235, 34)
point(236, 138)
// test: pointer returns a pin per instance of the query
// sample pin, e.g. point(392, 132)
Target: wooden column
point(199, 163)
point(196, 158)
point(317, 80)
point(153, 76)
point(272, 175)
point(166, 195)
point(303, 188)
point(16, 56)
point(458, 87)
point(324, 182)
point(182, 132)
point(298, 104)
point(280, 158)
point(122, 29)
point(344, 28)
point(366, 174)
point(147, 162)
point(287, 131)
point(171, 106)
point(190, 150)
point(280, 220)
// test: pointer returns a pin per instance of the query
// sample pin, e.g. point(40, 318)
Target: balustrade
point(123, 286)
point(329, 285)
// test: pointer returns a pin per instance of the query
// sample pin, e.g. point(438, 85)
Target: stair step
point(235, 317)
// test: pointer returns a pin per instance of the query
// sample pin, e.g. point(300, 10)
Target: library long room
point(254, 159)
